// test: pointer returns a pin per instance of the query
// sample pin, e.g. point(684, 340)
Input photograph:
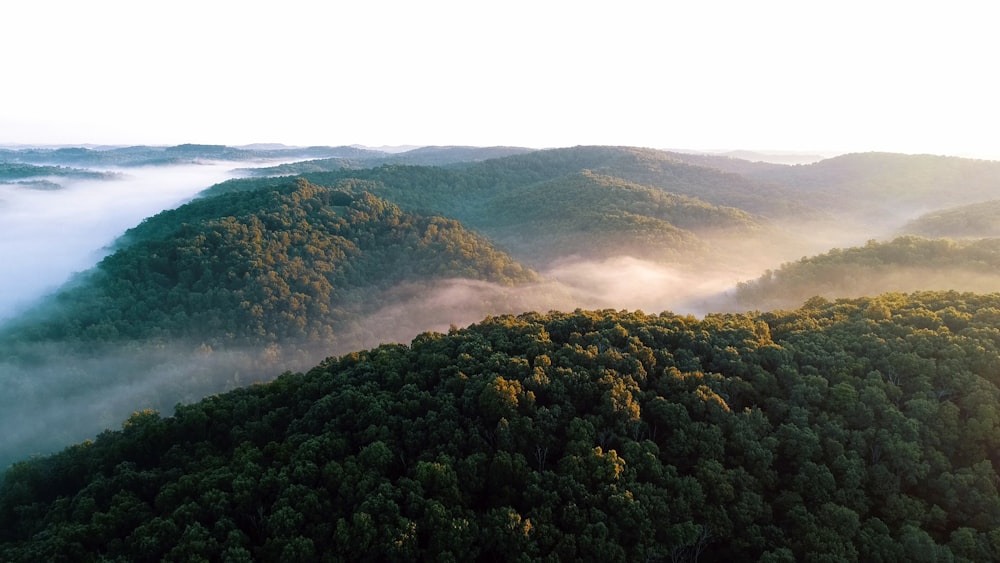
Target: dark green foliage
point(852, 430)
point(904, 264)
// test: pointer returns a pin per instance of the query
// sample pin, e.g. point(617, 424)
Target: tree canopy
point(861, 429)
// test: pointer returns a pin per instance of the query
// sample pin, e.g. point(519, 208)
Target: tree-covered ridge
point(677, 173)
point(266, 266)
point(906, 263)
point(142, 155)
point(967, 221)
point(852, 430)
point(10, 171)
point(423, 156)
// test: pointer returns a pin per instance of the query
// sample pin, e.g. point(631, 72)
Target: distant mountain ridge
point(179, 154)
point(876, 184)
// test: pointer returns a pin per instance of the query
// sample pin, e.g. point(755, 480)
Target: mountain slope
point(836, 432)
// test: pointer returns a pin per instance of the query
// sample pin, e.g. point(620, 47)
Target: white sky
point(795, 75)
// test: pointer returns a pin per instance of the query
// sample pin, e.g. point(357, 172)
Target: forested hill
point(549, 204)
point(981, 219)
point(852, 430)
point(906, 263)
point(291, 263)
point(666, 171)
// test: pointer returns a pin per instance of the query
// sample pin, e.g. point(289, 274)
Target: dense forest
point(851, 430)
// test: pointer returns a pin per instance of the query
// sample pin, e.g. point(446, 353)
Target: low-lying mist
point(48, 235)
point(63, 397)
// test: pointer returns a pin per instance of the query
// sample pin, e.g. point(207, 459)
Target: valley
point(587, 310)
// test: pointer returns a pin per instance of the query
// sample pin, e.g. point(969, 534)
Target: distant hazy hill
point(291, 263)
point(14, 171)
point(967, 221)
point(862, 430)
point(904, 264)
point(147, 155)
point(440, 155)
point(884, 186)
point(423, 156)
point(671, 172)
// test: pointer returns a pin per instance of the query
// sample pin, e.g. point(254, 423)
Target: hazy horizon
point(720, 74)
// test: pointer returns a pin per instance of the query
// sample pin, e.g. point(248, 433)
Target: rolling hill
point(886, 189)
point(544, 205)
point(904, 264)
point(975, 220)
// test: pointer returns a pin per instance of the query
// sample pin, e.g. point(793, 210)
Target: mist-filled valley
point(261, 275)
point(145, 277)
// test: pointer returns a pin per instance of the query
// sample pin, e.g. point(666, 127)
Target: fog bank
point(48, 235)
